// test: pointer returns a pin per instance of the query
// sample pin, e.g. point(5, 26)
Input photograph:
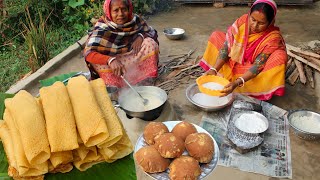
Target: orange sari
point(243, 50)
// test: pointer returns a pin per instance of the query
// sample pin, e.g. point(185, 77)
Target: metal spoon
point(145, 101)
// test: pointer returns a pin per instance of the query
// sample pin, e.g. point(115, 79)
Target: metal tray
point(205, 168)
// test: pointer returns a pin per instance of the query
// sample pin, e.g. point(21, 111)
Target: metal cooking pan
point(148, 115)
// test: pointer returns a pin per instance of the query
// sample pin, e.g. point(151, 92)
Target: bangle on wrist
point(110, 60)
point(242, 80)
point(141, 36)
point(214, 69)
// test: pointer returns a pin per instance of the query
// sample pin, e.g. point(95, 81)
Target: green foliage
point(35, 39)
point(14, 64)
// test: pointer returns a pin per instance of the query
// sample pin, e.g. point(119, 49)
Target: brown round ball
point(200, 146)
point(152, 130)
point(169, 145)
point(183, 129)
point(184, 167)
point(150, 160)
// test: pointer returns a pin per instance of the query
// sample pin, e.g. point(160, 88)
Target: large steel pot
point(148, 115)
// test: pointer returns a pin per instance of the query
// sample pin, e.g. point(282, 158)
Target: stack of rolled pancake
point(68, 125)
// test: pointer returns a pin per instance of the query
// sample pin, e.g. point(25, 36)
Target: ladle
point(145, 101)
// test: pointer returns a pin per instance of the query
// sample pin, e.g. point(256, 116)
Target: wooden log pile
point(178, 69)
point(301, 65)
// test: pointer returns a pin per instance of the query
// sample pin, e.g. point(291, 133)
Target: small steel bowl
point(193, 89)
point(297, 130)
point(174, 33)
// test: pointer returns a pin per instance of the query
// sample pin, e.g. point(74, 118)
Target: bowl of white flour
point(251, 122)
point(305, 124)
point(207, 102)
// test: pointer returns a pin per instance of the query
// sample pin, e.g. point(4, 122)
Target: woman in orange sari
point(122, 43)
point(252, 55)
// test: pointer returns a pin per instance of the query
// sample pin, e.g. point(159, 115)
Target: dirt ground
point(298, 25)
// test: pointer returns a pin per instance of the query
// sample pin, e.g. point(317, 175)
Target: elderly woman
point(252, 55)
point(121, 43)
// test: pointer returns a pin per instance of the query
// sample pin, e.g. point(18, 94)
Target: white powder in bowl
point(210, 101)
point(213, 86)
point(250, 123)
point(306, 123)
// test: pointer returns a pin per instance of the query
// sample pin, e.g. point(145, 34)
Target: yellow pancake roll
point(58, 158)
point(23, 167)
point(8, 145)
point(60, 121)
point(111, 117)
point(86, 157)
point(29, 120)
point(89, 118)
point(117, 151)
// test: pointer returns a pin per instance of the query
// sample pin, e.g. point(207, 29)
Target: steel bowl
point(174, 33)
point(304, 134)
point(193, 89)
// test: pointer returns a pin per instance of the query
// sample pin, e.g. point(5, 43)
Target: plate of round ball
point(205, 168)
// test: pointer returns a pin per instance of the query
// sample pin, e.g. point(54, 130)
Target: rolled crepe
point(117, 151)
point(30, 123)
point(58, 158)
point(8, 147)
point(90, 121)
point(86, 157)
point(60, 122)
point(111, 117)
point(62, 168)
point(124, 147)
point(23, 167)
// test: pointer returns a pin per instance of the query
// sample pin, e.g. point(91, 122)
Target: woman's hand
point(136, 45)
point(117, 68)
point(229, 88)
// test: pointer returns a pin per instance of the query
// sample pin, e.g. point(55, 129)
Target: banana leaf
point(51, 80)
point(122, 169)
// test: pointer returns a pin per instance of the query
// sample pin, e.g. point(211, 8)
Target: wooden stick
point(304, 60)
point(171, 55)
point(299, 50)
point(309, 58)
point(188, 55)
point(309, 74)
point(302, 76)
point(289, 63)
point(165, 82)
point(290, 69)
point(293, 77)
point(180, 66)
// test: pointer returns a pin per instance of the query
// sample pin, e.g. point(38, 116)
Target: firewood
point(293, 77)
point(309, 73)
point(187, 57)
point(299, 50)
point(180, 66)
point(290, 69)
point(310, 58)
point(165, 82)
point(304, 61)
point(173, 74)
point(302, 76)
point(289, 63)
